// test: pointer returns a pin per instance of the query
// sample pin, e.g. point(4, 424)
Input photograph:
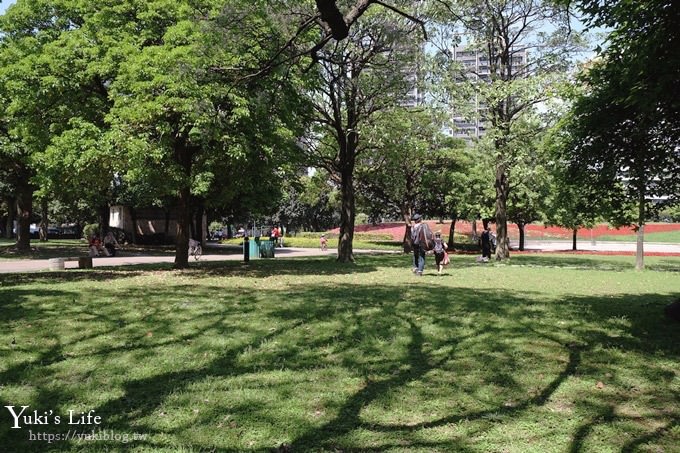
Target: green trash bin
point(254, 248)
point(266, 249)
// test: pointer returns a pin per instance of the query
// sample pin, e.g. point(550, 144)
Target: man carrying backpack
point(422, 239)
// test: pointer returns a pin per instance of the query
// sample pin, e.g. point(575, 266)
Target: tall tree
point(531, 179)
point(524, 62)
point(185, 104)
point(56, 75)
point(572, 204)
point(408, 167)
point(30, 108)
point(625, 128)
point(360, 76)
point(528, 201)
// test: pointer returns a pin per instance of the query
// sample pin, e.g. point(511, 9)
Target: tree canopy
point(624, 133)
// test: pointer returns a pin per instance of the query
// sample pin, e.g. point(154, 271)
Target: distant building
point(151, 225)
point(471, 124)
point(415, 96)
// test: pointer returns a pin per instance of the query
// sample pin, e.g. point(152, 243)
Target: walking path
point(10, 266)
point(600, 246)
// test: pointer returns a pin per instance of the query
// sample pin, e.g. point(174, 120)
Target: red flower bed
point(598, 230)
point(396, 230)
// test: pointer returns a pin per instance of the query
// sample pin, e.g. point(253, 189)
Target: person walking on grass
point(440, 257)
point(486, 244)
point(421, 236)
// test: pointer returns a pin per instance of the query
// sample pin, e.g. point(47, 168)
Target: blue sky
point(4, 4)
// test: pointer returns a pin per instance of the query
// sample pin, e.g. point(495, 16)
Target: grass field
point(56, 248)
point(546, 354)
point(672, 237)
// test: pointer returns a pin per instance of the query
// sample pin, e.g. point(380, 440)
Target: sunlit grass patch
point(539, 354)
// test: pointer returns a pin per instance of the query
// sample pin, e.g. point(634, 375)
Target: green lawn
point(60, 248)
point(306, 242)
point(546, 354)
point(672, 237)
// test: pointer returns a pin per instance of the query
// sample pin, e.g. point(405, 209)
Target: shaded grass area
point(547, 353)
point(56, 248)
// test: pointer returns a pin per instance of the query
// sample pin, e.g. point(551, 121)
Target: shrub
point(90, 229)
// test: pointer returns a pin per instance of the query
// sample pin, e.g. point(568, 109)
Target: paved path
point(9, 266)
point(600, 246)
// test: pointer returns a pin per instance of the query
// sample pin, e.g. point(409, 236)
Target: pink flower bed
point(396, 230)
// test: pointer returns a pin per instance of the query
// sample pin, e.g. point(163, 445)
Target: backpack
point(438, 246)
point(426, 237)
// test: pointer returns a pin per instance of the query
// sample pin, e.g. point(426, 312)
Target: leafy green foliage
point(624, 130)
point(404, 173)
point(508, 88)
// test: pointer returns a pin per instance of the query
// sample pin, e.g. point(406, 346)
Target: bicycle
point(195, 249)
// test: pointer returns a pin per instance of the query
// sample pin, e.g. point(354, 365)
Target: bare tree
point(333, 24)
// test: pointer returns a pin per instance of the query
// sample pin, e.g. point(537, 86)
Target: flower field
point(534, 231)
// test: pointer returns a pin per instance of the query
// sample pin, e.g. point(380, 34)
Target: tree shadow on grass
point(592, 262)
point(420, 363)
point(42, 253)
point(55, 277)
point(258, 268)
point(385, 335)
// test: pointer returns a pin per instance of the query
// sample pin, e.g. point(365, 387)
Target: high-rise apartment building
point(469, 122)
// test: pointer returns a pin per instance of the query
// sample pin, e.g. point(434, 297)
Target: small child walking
point(440, 256)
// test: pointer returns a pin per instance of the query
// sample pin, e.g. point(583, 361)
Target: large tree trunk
point(44, 220)
point(133, 219)
point(11, 216)
point(345, 253)
point(407, 242)
point(104, 214)
point(451, 232)
point(520, 227)
point(183, 158)
point(640, 249)
point(573, 238)
point(24, 209)
point(502, 191)
point(166, 226)
point(348, 143)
